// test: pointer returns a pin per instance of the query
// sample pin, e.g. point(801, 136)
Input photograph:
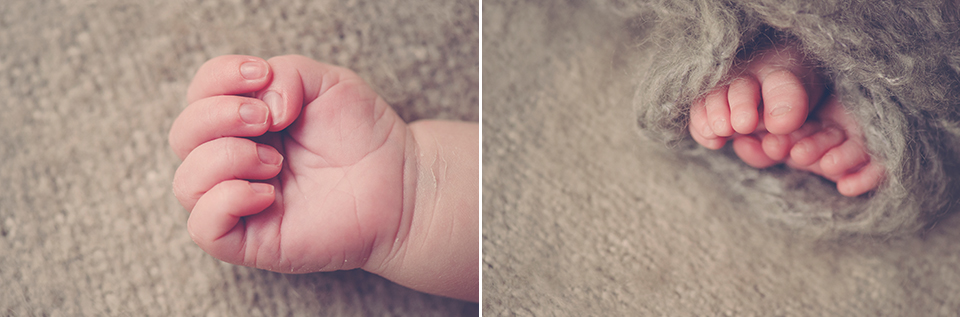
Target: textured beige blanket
point(584, 217)
point(88, 90)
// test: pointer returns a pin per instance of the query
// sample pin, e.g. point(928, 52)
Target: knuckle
point(183, 194)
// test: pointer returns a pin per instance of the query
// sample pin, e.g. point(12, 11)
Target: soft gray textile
point(88, 91)
point(583, 216)
point(895, 68)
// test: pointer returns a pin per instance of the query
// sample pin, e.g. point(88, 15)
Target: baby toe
point(843, 158)
point(785, 102)
point(810, 149)
point(743, 96)
point(779, 147)
point(750, 150)
point(718, 112)
point(711, 143)
point(700, 130)
point(862, 181)
point(776, 146)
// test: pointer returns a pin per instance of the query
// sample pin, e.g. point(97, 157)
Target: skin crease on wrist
point(439, 253)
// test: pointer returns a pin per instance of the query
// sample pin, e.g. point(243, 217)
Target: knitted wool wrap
point(895, 67)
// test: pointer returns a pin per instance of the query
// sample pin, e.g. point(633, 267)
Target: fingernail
point(779, 111)
point(267, 155)
point(275, 102)
point(261, 188)
point(253, 70)
point(253, 114)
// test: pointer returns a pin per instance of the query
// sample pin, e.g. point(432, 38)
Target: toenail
point(830, 158)
point(253, 114)
point(779, 111)
point(267, 155)
point(252, 70)
point(275, 102)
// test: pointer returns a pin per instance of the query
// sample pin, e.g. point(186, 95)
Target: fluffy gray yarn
point(895, 67)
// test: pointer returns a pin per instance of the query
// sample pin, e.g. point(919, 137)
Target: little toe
point(810, 149)
point(718, 112)
point(862, 181)
point(785, 102)
point(713, 144)
point(743, 95)
point(843, 158)
point(700, 130)
point(750, 150)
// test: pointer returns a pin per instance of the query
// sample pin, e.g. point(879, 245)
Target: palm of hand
point(339, 192)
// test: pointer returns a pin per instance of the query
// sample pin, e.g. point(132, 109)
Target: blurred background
point(88, 91)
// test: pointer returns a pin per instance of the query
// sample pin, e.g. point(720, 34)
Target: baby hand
point(291, 165)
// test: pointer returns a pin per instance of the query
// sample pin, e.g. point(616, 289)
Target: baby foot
point(831, 144)
point(774, 83)
point(778, 86)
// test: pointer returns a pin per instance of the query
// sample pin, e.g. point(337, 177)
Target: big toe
point(785, 102)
